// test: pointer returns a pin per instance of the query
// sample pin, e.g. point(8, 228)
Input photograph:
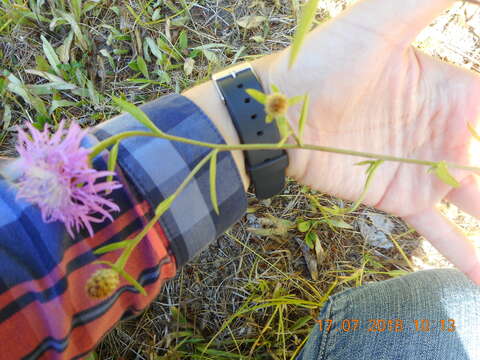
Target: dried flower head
point(55, 174)
point(276, 104)
point(102, 283)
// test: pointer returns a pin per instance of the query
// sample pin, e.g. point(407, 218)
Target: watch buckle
point(231, 71)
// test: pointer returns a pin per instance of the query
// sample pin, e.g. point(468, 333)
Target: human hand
point(370, 90)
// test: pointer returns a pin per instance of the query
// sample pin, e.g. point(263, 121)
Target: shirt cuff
point(156, 167)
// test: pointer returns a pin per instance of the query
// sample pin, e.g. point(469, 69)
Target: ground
point(254, 292)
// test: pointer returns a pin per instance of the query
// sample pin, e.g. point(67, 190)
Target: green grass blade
point(308, 14)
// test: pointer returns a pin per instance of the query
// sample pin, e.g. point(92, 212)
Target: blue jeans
point(427, 315)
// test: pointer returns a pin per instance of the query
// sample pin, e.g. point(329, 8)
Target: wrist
point(206, 98)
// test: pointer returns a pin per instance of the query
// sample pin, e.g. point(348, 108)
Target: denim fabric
point(392, 320)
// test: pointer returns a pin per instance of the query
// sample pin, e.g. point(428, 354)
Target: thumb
point(398, 21)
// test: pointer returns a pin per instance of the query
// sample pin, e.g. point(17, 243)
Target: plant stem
point(223, 147)
point(122, 260)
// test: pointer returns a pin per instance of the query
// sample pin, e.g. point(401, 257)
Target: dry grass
point(251, 293)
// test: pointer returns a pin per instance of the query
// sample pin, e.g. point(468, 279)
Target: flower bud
point(102, 283)
point(276, 105)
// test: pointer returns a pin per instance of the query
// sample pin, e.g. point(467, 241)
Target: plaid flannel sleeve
point(44, 310)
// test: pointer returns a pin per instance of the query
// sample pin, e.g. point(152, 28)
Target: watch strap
point(265, 167)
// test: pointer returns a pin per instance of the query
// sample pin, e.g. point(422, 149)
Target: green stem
point(223, 147)
point(122, 260)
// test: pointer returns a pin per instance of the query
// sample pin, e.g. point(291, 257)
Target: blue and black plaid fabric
point(44, 271)
point(157, 167)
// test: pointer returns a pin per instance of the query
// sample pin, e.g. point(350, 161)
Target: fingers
point(467, 196)
point(449, 240)
point(398, 20)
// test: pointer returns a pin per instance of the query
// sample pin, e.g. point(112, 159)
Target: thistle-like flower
point(53, 172)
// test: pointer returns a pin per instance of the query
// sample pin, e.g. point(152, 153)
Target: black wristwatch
point(265, 167)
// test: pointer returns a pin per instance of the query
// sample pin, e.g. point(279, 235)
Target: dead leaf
point(188, 66)
point(310, 259)
point(251, 21)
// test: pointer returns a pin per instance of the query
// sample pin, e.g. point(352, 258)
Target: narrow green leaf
point(60, 103)
point(213, 181)
point(274, 88)
point(132, 281)
point(295, 100)
point(282, 126)
point(7, 117)
point(142, 66)
point(164, 205)
point(76, 6)
point(372, 168)
point(112, 161)
point(304, 25)
point(441, 171)
point(337, 223)
point(51, 55)
point(303, 116)
point(111, 247)
point(154, 49)
point(76, 29)
point(257, 95)
point(473, 131)
point(137, 113)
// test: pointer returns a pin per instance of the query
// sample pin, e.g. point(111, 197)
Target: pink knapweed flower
point(55, 175)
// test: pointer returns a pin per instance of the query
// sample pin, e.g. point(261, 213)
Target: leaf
point(112, 247)
point(311, 238)
point(337, 223)
point(257, 95)
point(112, 162)
point(441, 171)
point(473, 131)
point(188, 66)
point(306, 20)
point(142, 66)
point(137, 113)
point(372, 168)
point(304, 226)
point(210, 55)
point(7, 117)
point(295, 100)
point(76, 29)
point(274, 88)
point(51, 55)
point(182, 41)
point(63, 50)
point(251, 21)
point(60, 103)
point(164, 205)
point(213, 181)
point(303, 116)
point(154, 49)
point(282, 126)
point(132, 281)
